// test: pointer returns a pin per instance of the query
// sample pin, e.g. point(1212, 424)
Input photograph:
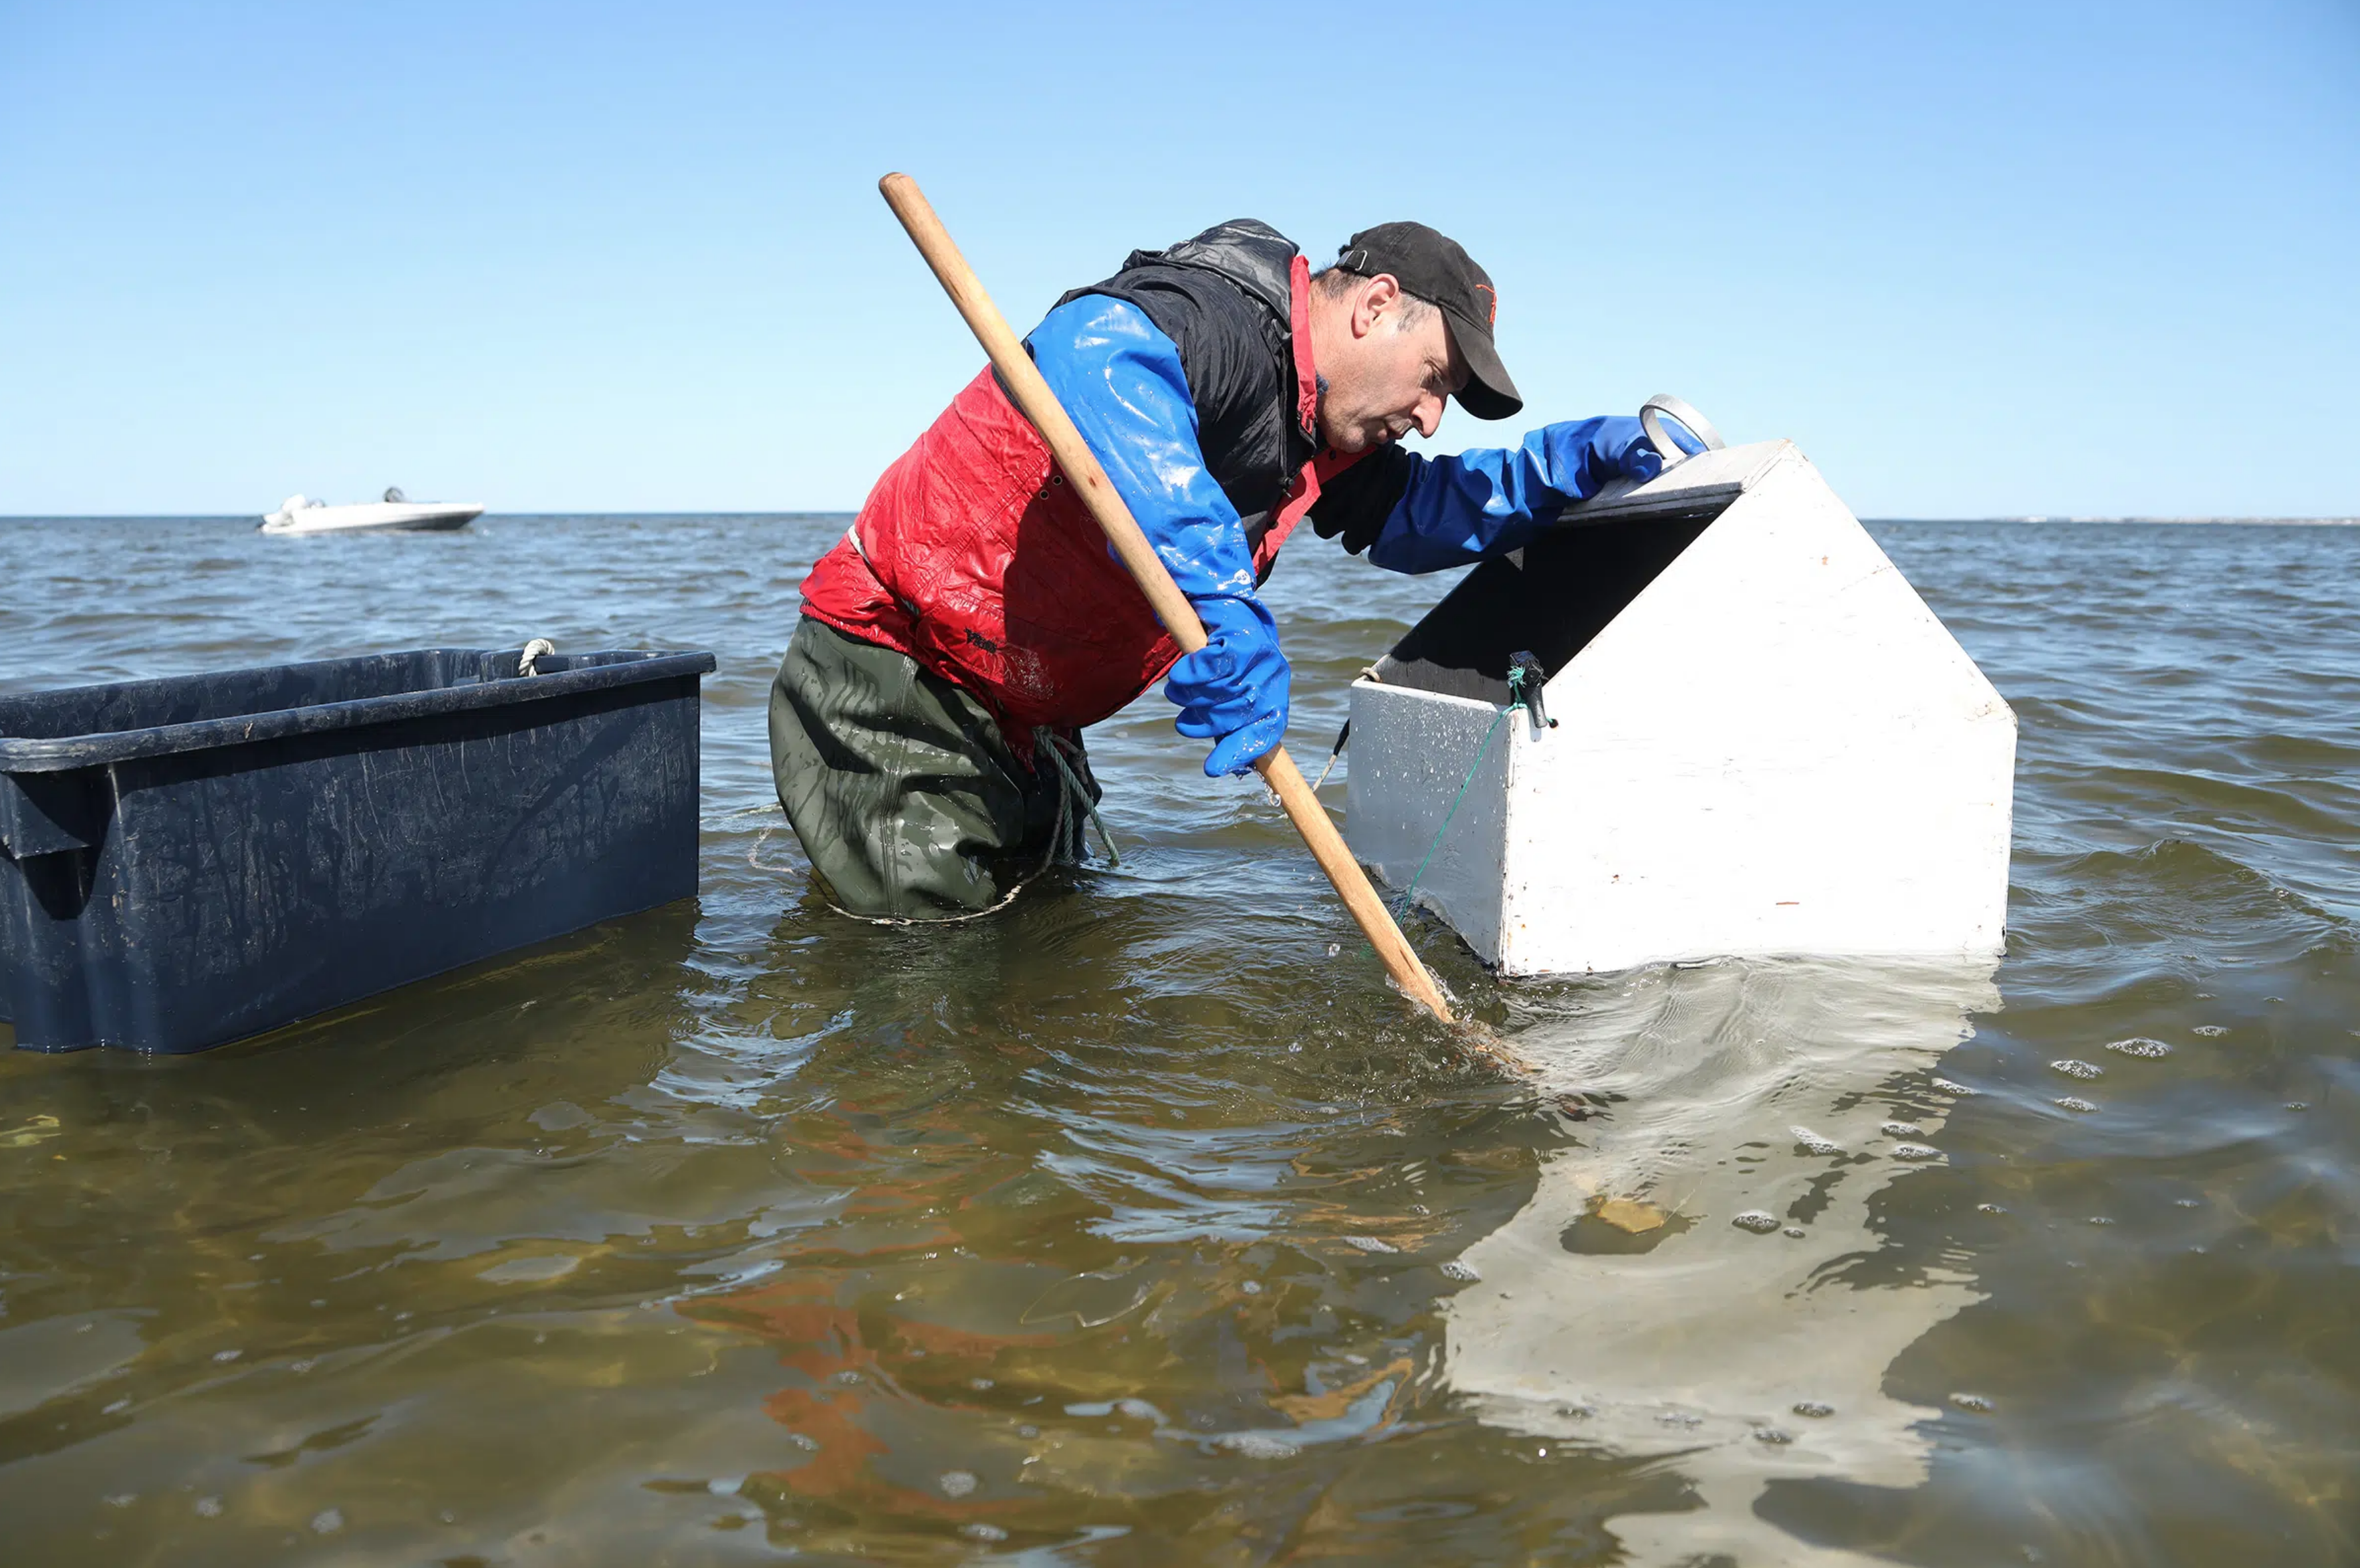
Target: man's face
point(1383, 379)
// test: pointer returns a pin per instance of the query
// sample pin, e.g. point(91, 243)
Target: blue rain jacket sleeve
point(1119, 377)
point(1489, 502)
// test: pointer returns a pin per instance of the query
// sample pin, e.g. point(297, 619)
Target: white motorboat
point(397, 513)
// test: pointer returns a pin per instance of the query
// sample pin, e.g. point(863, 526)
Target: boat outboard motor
point(393, 493)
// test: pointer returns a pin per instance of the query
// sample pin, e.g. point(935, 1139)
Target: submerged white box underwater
point(1764, 742)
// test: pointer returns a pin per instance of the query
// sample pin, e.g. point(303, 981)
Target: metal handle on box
point(1651, 414)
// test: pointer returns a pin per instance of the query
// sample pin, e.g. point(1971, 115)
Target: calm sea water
point(1143, 1225)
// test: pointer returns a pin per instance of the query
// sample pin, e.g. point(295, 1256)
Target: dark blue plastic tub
point(190, 861)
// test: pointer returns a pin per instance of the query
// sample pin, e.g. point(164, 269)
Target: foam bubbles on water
point(978, 1530)
point(1915, 1151)
point(2210, 1031)
point(1813, 1143)
point(1773, 1436)
point(327, 1522)
point(2074, 1102)
point(1372, 1244)
point(209, 1508)
point(2140, 1045)
point(1980, 1404)
point(1457, 1269)
point(1902, 1129)
point(1813, 1410)
point(1755, 1220)
point(2082, 1070)
point(956, 1483)
point(1948, 1087)
point(1256, 1445)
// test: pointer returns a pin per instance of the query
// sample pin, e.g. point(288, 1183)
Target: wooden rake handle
point(1172, 607)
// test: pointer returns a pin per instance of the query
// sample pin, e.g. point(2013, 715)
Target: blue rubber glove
point(1489, 502)
point(1121, 379)
point(1233, 691)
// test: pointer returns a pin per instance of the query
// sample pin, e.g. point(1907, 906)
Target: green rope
point(1515, 700)
point(1082, 796)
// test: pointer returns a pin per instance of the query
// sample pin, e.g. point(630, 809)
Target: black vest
point(1225, 299)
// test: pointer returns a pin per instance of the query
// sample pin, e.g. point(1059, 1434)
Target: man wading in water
point(925, 725)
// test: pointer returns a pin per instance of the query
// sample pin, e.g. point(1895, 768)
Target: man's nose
point(1428, 415)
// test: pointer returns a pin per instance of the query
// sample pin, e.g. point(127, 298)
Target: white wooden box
point(1765, 742)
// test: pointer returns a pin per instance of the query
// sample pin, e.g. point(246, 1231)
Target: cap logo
point(1493, 299)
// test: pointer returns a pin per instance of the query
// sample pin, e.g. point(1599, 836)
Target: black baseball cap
point(1434, 268)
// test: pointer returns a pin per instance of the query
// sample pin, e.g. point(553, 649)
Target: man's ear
point(1379, 295)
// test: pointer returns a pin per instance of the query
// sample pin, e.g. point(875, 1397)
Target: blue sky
point(1978, 260)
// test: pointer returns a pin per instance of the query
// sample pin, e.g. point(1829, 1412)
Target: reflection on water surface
point(1765, 1106)
point(1138, 1226)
